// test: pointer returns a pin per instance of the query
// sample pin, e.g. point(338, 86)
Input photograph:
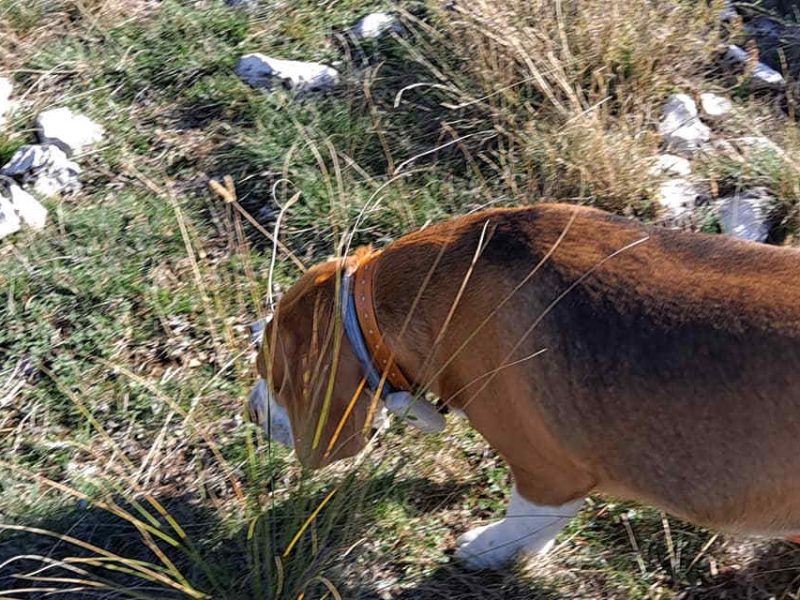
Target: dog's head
point(314, 395)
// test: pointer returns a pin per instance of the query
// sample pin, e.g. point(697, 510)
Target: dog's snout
point(257, 403)
point(271, 416)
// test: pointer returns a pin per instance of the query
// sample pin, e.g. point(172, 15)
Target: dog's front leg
point(527, 529)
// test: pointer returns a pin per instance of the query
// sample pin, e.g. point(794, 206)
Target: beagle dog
point(592, 352)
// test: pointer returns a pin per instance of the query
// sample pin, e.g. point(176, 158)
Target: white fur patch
point(457, 412)
point(415, 411)
point(269, 414)
point(381, 419)
point(526, 529)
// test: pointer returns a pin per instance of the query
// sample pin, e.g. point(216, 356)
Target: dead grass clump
point(574, 88)
point(585, 162)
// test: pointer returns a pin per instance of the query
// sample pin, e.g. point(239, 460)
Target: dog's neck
point(409, 321)
point(399, 395)
point(363, 329)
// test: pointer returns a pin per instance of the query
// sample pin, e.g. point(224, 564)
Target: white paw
point(548, 545)
point(487, 547)
point(527, 529)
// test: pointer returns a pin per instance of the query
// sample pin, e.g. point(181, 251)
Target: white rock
point(5, 99)
point(715, 106)
point(375, 25)
point(69, 131)
point(46, 168)
point(688, 139)
point(30, 210)
point(682, 130)
point(745, 215)
point(262, 71)
point(735, 55)
point(670, 164)
point(728, 12)
point(763, 77)
point(9, 221)
point(678, 196)
point(679, 110)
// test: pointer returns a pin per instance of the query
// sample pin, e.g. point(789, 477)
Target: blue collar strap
point(352, 330)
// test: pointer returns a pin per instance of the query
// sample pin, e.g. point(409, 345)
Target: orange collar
point(382, 355)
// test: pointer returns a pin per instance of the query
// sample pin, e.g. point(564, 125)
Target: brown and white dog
point(594, 353)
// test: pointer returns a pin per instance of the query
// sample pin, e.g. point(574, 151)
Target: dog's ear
point(274, 352)
point(259, 333)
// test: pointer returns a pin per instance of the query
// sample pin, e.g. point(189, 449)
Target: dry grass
point(573, 90)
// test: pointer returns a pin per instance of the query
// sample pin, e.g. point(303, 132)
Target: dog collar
point(375, 357)
point(364, 335)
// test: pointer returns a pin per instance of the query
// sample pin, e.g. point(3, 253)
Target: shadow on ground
point(240, 561)
point(772, 572)
point(238, 557)
point(28, 560)
point(451, 582)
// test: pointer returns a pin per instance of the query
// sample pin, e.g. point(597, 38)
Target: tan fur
point(669, 373)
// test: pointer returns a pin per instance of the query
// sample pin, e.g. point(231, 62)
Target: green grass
point(124, 351)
